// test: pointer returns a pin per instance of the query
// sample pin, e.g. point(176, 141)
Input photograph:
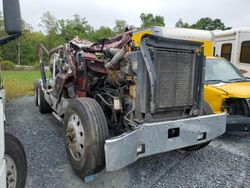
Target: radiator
point(175, 72)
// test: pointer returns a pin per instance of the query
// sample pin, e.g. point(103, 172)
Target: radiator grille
point(175, 78)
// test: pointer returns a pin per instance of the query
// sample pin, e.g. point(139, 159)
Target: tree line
point(54, 32)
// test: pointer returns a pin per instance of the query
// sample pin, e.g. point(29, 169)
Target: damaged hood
point(236, 89)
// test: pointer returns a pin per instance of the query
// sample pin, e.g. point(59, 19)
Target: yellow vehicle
point(178, 33)
point(227, 90)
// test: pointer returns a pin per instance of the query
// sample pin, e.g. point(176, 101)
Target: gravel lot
point(224, 163)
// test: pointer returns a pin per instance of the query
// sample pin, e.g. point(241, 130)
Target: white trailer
point(234, 45)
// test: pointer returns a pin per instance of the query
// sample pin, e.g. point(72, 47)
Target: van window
point(245, 52)
point(226, 50)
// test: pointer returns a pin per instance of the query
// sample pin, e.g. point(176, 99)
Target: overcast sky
point(235, 13)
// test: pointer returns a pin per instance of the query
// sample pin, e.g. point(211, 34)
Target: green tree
point(102, 32)
point(204, 24)
point(49, 23)
point(148, 20)
point(26, 27)
point(182, 24)
point(50, 26)
point(24, 49)
point(28, 47)
point(78, 26)
point(209, 24)
point(218, 24)
point(120, 26)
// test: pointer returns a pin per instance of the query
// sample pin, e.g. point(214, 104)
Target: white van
point(234, 45)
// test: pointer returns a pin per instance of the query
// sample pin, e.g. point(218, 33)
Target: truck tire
point(36, 86)
point(206, 110)
point(42, 103)
point(85, 131)
point(16, 165)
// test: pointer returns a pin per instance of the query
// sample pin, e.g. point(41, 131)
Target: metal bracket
point(151, 70)
point(41, 48)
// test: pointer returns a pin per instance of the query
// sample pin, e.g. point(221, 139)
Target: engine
point(160, 80)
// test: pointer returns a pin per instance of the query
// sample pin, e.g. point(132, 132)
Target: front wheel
point(85, 131)
point(205, 110)
point(16, 165)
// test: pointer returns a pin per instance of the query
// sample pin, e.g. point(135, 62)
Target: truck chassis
point(110, 97)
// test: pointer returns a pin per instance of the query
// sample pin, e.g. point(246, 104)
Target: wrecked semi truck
point(119, 102)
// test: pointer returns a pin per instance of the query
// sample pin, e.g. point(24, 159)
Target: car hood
point(236, 89)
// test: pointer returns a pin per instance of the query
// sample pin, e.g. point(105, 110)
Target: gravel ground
point(224, 163)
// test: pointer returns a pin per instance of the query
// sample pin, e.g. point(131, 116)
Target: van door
point(225, 48)
point(243, 53)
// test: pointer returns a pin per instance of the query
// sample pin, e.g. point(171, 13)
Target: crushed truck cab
point(119, 102)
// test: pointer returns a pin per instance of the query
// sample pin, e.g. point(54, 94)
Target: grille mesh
point(175, 78)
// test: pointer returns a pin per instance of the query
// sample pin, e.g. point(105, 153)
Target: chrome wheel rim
point(11, 172)
point(75, 139)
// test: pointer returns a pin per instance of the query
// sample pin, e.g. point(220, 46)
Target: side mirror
point(12, 20)
point(12, 17)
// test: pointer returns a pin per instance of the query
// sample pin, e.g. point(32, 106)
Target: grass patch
point(19, 83)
